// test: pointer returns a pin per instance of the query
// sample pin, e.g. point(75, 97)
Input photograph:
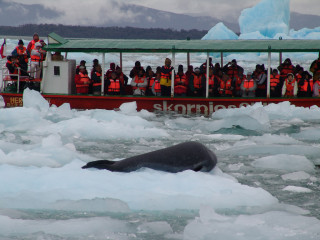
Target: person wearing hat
point(165, 80)
point(23, 56)
point(32, 43)
point(195, 83)
point(37, 56)
point(290, 86)
point(82, 81)
point(180, 83)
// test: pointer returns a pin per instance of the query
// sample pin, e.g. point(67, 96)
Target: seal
point(184, 156)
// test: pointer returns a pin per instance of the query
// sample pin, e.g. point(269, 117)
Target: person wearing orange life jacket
point(232, 69)
point(274, 83)
point(96, 75)
point(166, 75)
point(248, 86)
point(32, 43)
point(213, 84)
point(237, 83)
point(12, 66)
point(23, 56)
point(82, 81)
point(195, 83)
point(82, 63)
point(123, 79)
point(316, 85)
point(156, 87)
point(203, 67)
point(226, 86)
point(315, 67)
point(113, 85)
point(139, 83)
point(111, 70)
point(36, 61)
point(285, 68)
point(150, 78)
point(290, 86)
point(180, 83)
point(260, 77)
point(305, 85)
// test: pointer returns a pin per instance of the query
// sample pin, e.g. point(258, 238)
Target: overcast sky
point(90, 12)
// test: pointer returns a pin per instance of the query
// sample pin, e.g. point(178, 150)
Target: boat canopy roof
point(57, 43)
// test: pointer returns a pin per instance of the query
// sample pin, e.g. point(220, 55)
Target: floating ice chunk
point(2, 103)
point(285, 162)
point(220, 31)
point(296, 176)
point(297, 189)
point(207, 215)
point(33, 99)
point(155, 228)
point(310, 134)
point(128, 108)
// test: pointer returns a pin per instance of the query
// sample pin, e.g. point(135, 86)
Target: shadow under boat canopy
point(57, 43)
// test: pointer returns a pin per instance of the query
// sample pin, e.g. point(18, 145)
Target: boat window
point(56, 70)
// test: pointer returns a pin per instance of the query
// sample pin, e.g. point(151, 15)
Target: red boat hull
point(166, 104)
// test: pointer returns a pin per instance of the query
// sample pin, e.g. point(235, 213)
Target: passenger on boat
point(226, 86)
point(12, 66)
point(189, 73)
point(305, 85)
point(122, 77)
point(180, 83)
point(96, 74)
point(195, 83)
point(290, 86)
point(82, 81)
point(149, 72)
point(23, 57)
point(32, 43)
point(285, 68)
point(248, 86)
point(156, 87)
point(232, 69)
point(135, 70)
point(139, 83)
point(166, 74)
point(237, 83)
point(315, 67)
point(261, 79)
point(150, 78)
point(213, 84)
point(274, 83)
point(113, 85)
point(216, 69)
point(37, 56)
point(298, 70)
point(95, 63)
point(82, 63)
point(316, 85)
point(111, 70)
point(203, 67)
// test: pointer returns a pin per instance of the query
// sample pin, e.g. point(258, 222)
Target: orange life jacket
point(225, 87)
point(33, 42)
point(248, 83)
point(22, 52)
point(157, 86)
point(182, 80)
point(197, 81)
point(286, 70)
point(290, 87)
point(274, 80)
point(318, 81)
point(16, 65)
point(121, 78)
point(304, 87)
point(137, 80)
point(150, 82)
point(36, 58)
point(239, 81)
point(114, 86)
point(95, 84)
point(233, 71)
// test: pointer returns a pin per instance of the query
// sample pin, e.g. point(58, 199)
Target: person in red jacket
point(32, 43)
point(275, 84)
point(180, 83)
point(82, 81)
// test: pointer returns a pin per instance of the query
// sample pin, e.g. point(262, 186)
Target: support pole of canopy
point(66, 55)
point(172, 73)
point(188, 59)
point(221, 56)
point(280, 58)
point(207, 76)
point(102, 74)
point(269, 72)
point(121, 60)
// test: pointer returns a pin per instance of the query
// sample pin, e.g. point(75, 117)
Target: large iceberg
point(220, 32)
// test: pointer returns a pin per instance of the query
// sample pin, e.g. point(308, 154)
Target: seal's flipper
point(100, 164)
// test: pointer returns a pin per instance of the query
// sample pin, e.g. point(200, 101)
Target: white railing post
point(102, 73)
point(269, 73)
point(172, 74)
point(207, 76)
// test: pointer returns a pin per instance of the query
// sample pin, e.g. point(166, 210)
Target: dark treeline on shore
point(101, 32)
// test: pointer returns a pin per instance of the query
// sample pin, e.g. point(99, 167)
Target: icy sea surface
point(265, 185)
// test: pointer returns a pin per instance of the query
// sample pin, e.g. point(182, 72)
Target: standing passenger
point(82, 81)
point(37, 55)
point(156, 87)
point(165, 81)
point(315, 67)
point(135, 70)
point(180, 83)
point(113, 85)
point(195, 83)
point(32, 43)
point(274, 83)
point(290, 86)
point(96, 74)
point(139, 83)
point(305, 85)
point(226, 88)
point(213, 84)
point(248, 86)
point(23, 56)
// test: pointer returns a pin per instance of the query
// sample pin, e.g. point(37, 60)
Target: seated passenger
point(82, 81)
point(213, 84)
point(166, 75)
point(305, 85)
point(111, 70)
point(195, 83)
point(290, 86)
point(248, 86)
point(232, 69)
point(139, 83)
point(12, 66)
point(96, 74)
point(315, 67)
point(23, 57)
point(180, 83)
point(316, 85)
point(113, 85)
point(135, 70)
point(156, 87)
point(226, 86)
point(274, 84)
